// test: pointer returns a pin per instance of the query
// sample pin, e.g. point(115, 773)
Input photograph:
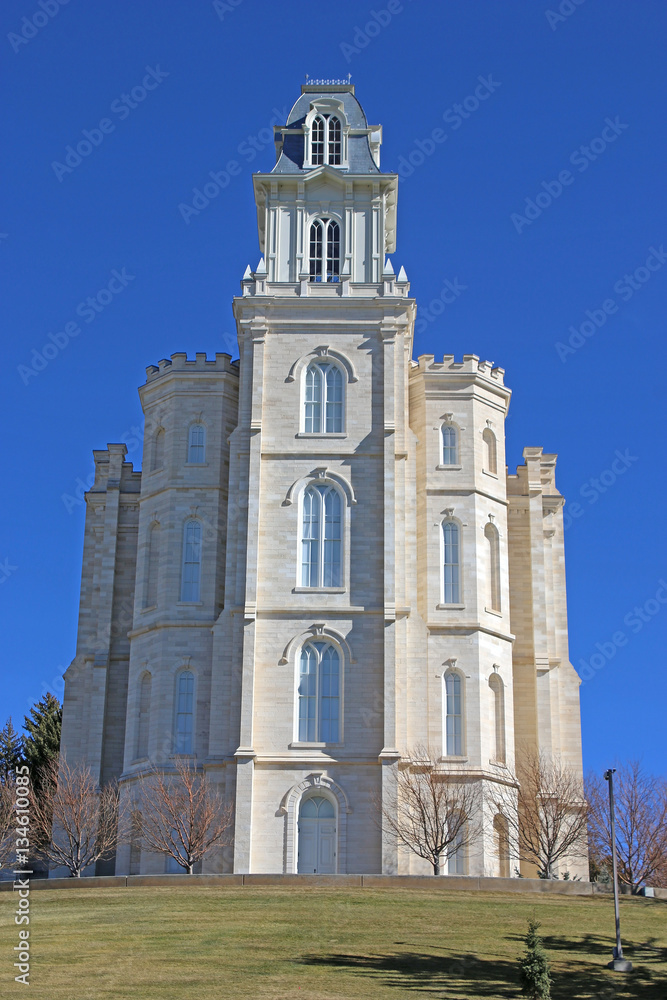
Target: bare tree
point(641, 825)
point(76, 823)
point(7, 834)
point(550, 824)
point(431, 812)
point(181, 816)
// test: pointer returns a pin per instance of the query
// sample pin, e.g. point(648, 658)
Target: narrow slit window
point(452, 565)
point(185, 695)
point(449, 445)
point(453, 715)
point(197, 445)
point(191, 576)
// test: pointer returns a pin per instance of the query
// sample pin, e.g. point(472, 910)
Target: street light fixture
point(618, 963)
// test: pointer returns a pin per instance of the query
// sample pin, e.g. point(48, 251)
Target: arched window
point(450, 450)
point(152, 567)
point(157, 458)
point(324, 253)
point(334, 141)
point(317, 141)
point(493, 546)
point(497, 717)
point(191, 575)
point(185, 695)
point(136, 822)
point(197, 445)
point(456, 862)
point(451, 563)
point(321, 537)
point(490, 456)
point(453, 714)
point(319, 693)
point(323, 399)
point(326, 140)
point(143, 721)
point(501, 829)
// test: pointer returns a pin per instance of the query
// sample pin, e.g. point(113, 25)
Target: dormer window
point(324, 252)
point(326, 140)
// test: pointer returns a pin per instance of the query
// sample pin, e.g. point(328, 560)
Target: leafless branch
point(7, 835)
point(431, 811)
point(76, 824)
point(550, 826)
point(180, 816)
point(641, 825)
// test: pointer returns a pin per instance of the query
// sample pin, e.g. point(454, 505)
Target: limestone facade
point(439, 591)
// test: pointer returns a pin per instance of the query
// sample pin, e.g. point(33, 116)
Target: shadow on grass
point(463, 977)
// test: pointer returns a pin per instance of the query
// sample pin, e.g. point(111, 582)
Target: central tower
point(319, 583)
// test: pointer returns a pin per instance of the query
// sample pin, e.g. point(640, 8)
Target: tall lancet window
point(324, 250)
point(143, 722)
point(317, 141)
point(490, 451)
point(453, 714)
point(497, 717)
point(493, 546)
point(451, 563)
point(334, 141)
point(152, 567)
point(319, 693)
point(450, 451)
point(326, 140)
point(191, 574)
point(197, 445)
point(321, 537)
point(185, 711)
point(323, 399)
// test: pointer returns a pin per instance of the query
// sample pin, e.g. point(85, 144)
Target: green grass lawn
point(324, 944)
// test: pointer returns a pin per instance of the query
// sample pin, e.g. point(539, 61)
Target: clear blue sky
point(217, 72)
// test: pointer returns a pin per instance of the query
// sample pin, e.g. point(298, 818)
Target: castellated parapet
point(179, 363)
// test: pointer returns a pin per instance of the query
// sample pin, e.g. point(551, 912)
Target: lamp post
point(618, 963)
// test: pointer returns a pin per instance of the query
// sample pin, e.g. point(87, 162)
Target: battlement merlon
point(201, 365)
point(536, 475)
point(113, 472)
point(470, 365)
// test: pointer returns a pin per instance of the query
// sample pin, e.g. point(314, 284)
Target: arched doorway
point(317, 836)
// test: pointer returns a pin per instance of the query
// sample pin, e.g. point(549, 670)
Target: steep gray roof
point(360, 159)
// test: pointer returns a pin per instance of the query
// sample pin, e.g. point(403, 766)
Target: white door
point(317, 837)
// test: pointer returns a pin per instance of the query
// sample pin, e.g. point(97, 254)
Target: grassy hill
point(324, 944)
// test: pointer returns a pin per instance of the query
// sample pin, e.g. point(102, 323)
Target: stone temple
point(323, 561)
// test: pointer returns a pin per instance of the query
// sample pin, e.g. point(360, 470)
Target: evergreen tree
point(42, 742)
point(534, 967)
point(11, 751)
